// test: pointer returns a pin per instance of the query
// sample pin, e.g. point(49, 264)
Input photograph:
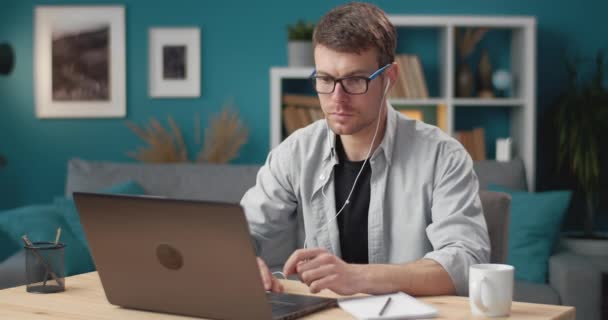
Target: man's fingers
point(312, 275)
point(323, 283)
point(300, 255)
point(265, 272)
point(320, 260)
point(276, 285)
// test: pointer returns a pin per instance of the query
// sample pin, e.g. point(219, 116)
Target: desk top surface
point(84, 298)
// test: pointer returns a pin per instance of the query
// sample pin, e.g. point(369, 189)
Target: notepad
point(402, 306)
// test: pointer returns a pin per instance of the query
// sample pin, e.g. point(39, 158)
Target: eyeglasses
point(351, 85)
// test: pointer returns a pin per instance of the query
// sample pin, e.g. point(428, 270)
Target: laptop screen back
point(175, 256)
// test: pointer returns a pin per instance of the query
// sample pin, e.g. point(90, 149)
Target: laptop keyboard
point(279, 303)
point(290, 306)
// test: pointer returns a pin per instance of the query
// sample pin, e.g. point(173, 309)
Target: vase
point(464, 80)
point(300, 53)
point(484, 69)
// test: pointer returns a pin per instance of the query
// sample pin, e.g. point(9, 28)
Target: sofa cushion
point(535, 293)
point(511, 174)
point(12, 270)
point(536, 219)
point(198, 181)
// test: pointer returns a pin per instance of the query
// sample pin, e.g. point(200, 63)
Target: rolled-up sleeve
point(270, 207)
point(458, 231)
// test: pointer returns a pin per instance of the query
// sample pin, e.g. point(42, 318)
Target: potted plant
point(299, 46)
point(581, 118)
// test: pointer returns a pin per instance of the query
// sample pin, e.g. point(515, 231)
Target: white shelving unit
point(521, 104)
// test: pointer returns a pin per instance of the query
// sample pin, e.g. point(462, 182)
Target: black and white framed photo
point(175, 62)
point(80, 61)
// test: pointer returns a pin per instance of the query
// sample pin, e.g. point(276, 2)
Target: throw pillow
point(40, 223)
point(68, 209)
point(536, 219)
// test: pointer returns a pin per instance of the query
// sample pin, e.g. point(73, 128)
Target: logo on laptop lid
point(169, 257)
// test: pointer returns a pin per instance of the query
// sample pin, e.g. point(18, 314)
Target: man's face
point(349, 114)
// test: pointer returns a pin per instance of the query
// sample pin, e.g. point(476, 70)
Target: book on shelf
point(399, 88)
point(474, 142)
point(442, 117)
point(411, 82)
point(300, 111)
point(419, 79)
point(412, 114)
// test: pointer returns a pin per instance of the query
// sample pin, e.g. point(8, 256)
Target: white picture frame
point(174, 62)
point(84, 83)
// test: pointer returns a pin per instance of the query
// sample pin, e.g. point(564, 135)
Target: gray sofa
point(572, 281)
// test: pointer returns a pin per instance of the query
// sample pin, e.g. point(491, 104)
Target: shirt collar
point(330, 150)
point(386, 146)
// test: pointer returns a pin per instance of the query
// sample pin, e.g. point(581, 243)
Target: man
point(380, 203)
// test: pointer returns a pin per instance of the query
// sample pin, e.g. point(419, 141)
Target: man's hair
point(357, 27)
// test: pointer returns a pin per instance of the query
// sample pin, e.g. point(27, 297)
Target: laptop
point(193, 258)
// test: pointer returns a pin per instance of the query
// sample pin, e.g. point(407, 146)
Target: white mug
point(491, 289)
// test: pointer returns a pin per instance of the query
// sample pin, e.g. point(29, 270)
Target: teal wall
point(241, 40)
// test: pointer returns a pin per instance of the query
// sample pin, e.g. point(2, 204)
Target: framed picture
point(175, 62)
point(79, 61)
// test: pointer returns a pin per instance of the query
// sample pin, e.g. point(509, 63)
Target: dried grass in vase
point(223, 138)
point(163, 145)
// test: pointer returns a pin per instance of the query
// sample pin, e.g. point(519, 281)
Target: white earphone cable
point(362, 167)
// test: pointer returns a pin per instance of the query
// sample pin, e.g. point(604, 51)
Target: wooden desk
point(84, 299)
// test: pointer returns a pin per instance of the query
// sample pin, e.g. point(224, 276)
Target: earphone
point(388, 83)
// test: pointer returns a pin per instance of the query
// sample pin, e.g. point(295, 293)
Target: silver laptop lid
point(176, 256)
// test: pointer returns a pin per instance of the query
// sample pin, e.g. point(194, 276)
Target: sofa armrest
point(578, 283)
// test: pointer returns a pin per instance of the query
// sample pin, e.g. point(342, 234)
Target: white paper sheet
point(402, 306)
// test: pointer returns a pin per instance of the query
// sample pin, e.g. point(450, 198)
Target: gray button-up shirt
point(424, 200)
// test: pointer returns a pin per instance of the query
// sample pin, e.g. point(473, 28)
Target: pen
point(384, 306)
point(46, 273)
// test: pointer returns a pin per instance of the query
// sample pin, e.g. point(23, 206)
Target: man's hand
point(270, 282)
point(320, 269)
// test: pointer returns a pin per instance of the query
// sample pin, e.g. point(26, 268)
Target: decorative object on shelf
point(581, 119)
point(466, 40)
point(299, 46)
point(503, 149)
point(501, 80)
point(484, 76)
point(7, 59)
point(464, 80)
point(174, 62)
point(80, 61)
point(224, 137)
